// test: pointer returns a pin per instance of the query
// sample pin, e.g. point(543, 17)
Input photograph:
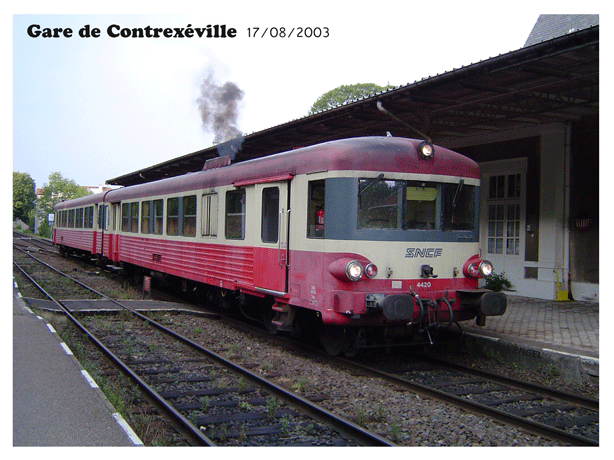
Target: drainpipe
point(566, 204)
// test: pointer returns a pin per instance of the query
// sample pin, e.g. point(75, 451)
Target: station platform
point(55, 401)
point(563, 335)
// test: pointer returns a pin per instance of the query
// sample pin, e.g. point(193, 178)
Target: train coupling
point(395, 307)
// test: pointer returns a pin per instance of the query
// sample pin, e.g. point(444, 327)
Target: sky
point(95, 108)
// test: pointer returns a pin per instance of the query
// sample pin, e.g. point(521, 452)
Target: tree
point(24, 197)
point(344, 94)
point(57, 190)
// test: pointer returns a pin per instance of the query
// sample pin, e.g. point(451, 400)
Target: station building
point(529, 117)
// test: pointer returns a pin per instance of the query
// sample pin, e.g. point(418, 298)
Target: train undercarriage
point(433, 318)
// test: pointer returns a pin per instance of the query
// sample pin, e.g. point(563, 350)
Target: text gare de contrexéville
point(116, 31)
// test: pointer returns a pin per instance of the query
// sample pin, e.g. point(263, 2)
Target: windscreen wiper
point(370, 184)
point(457, 193)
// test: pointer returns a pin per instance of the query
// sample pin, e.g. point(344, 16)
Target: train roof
point(378, 154)
point(78, 202)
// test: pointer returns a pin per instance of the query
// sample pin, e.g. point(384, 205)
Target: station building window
point(504, 214)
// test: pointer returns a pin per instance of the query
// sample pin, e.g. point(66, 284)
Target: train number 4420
point(424, 284)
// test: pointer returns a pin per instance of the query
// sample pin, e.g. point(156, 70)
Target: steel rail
point(579, 400)
point(476, 407)
point(186, 426)
point(528, 425)
point(342, 425)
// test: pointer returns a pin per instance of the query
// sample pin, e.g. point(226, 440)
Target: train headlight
point(426, 150)
point(354, 270)
point(478, 268)
point(485, 268)
point(348, 269)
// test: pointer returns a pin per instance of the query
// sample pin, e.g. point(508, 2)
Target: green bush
point(498, 282)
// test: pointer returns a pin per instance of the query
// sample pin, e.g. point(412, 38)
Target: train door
point(113, 235)
point(271, 252)
point(102, 227)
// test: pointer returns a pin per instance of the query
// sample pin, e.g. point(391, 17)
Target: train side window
point(71, 218)
point(88, 217)
point(158, 210)
point(79, 218)
point(125, 217)
point(315, 209)
point(102, 217)
point(134, 217)
point(209, 214)
point(270, 215)
point(235, 214)
point(172, 216)
point(189, 216)
point(146, 217)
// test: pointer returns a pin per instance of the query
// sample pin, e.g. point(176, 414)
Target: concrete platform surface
point(545, 333)
point(54, 404)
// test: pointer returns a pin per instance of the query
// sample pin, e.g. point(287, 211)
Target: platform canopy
point(552, 81)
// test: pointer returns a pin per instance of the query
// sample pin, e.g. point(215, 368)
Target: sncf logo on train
point(428, 253)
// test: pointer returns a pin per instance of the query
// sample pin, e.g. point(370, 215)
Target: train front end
point(402, 258)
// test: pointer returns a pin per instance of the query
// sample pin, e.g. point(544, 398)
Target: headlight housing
point(354, 270)
point(485, 268)
point(478, 268)
point(426, 150)
point(348, 269)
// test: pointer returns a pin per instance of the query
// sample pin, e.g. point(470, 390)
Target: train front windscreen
point(416, 205)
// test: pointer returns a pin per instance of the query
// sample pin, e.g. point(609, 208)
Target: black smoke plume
point(219, 111)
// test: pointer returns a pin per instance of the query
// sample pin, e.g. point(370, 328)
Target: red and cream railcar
point(372, 239)
point(77, 225)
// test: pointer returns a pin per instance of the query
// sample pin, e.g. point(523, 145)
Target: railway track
point(210, 399)
point(557, 415)
point(32, 243)
point(540, 410)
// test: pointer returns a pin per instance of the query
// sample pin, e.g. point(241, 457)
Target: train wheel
point(334, 339)
point(267, 319)
point(227, 300)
